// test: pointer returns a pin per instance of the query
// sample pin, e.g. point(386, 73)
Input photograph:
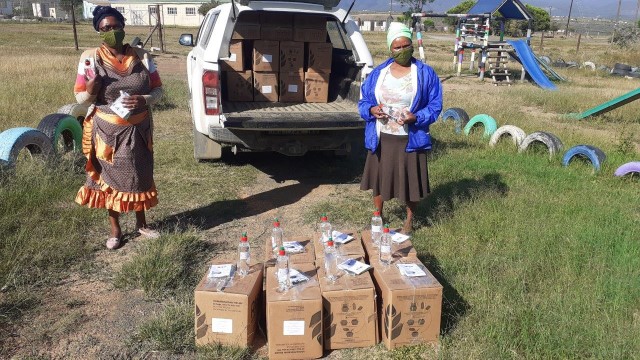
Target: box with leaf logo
point(350, 311)
point(410, 303)
point(227, 305)
point(294, 317)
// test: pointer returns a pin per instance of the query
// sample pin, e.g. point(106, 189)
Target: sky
point(581, 8)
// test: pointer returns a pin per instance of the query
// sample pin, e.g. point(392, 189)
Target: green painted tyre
point(489, 124)
point(64, 131)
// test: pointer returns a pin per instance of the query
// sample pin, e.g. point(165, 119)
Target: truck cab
point(241, 99)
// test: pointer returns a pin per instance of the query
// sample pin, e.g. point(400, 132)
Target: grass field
point(537, 260)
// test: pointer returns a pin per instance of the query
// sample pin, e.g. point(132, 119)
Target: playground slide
point(609, 105)
point(525, 56)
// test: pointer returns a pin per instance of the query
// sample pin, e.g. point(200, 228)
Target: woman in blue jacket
point(400, 99)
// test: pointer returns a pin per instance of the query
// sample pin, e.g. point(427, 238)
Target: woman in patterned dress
point(400, 99)
point(119, 151)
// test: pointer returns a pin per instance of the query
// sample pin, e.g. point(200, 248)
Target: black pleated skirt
point(394, 173)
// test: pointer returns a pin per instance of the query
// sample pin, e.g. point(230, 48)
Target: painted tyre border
point(489, 123)
point(632, 167)
point(517, 135)
point(592, 153)
point(459, 116)
point(551, 141)
point(54, 125)
point(12, 141)
point(590, 65)
point(79, 111)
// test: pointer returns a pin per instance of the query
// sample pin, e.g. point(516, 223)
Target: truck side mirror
point(186, 40)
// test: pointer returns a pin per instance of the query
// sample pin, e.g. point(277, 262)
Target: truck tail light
point(211, 89)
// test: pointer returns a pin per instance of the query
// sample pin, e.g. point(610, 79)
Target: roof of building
point(509, 9)
point(370, 17)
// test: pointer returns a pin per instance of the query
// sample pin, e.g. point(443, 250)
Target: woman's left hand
point(134, 102)
point(407, 117)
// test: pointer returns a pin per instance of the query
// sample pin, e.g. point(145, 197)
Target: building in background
point(6, 7)
point(372, 22)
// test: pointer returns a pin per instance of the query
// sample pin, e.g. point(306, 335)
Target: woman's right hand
point(377, 112)
point(94, 84)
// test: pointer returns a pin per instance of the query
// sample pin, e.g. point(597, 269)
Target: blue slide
point(527, 58)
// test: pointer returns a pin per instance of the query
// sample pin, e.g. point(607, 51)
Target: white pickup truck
point(288, 128)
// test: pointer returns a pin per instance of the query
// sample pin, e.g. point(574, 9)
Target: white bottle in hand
point(385, 246)
point(244, 256)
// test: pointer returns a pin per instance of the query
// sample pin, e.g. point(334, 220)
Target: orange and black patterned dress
point(119, 152)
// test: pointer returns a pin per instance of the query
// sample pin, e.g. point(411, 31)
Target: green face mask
point(403, 57)
point(113, 38)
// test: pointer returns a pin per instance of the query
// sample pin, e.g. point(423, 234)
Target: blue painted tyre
point(628, 168)
point(459, 117)
point(592, 153)
point(489, 123)
point(551, 141)
point(64, 131)
point(14, 140)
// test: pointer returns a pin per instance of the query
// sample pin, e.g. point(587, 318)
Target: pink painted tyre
point(628, 168)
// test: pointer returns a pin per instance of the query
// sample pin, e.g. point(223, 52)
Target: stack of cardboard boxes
point(290, 59)
point(353, 311)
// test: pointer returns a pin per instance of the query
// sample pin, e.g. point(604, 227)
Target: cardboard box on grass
point(239, 85)
point(351, 249)
point(291, 56)
point(235, 62)
point(350, 310)
point(294, 318)
point(410, 308)
point(316, 87)
point(291, 87)
point(265, 86)
point(319, 57)
point(404, 249)
point(306, 257)
point(266, 56)
point(309, 28)
point(247, 27)
point(229, 316)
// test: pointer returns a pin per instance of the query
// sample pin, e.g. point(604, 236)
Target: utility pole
point(73, 21)
point(618, 13)
point(637, 8)
point(566, 30)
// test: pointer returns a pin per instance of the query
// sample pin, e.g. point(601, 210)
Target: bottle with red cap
point(385, 246)
point(330, 261)
point(276, 236)
point(244, 255)
point(376, 228)
point(282, 270)
point(325, 228)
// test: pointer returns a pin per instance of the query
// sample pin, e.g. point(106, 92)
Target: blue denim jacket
point(427, 105)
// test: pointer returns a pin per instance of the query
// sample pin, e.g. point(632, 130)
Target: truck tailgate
point(316, 116)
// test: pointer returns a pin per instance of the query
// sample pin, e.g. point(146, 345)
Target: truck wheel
point(78, 111)
point(63, 130)
point(487, 121)
point(15, 140)
point(205, 148)
point(458, 115)
point(595, 155)
point(551, 141)
point(517, 135)
point(628, 168)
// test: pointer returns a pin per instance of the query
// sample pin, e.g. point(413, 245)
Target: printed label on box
point(292, 88)
point(293, 327)
point(267, 58)
point(267, 89)
point(224, 326)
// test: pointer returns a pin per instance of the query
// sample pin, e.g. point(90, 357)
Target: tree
point(461, 8)
point(415, 6)
point(541, 18)
point(205, 7)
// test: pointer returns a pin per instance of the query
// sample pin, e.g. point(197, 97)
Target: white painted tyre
point(517, 135)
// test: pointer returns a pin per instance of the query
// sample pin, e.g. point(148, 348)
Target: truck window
point(206, 29)
point(337, 36)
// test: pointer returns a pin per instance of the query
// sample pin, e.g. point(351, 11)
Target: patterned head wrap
point(396, 30)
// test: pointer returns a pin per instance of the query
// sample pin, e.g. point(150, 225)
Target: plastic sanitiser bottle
point(330, 261)
point(385, 246)
point(376, 228)
point(282, 270)
point(244, 255)
point(325, 228)
point(276, 237)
